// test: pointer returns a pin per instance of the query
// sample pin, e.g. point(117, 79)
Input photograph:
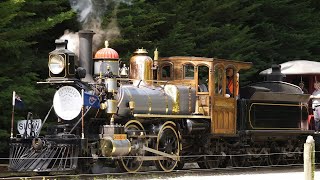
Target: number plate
point(119, 136)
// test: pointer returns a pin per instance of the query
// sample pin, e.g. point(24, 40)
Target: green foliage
point(22, 23)
point(263, 32)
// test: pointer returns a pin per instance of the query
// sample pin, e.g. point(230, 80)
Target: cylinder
point(111, 147)
point(85, 53)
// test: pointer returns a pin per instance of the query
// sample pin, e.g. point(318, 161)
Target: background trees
point(26, 29)
point(260, 31)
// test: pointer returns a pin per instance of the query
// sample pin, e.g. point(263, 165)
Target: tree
point(22, 22)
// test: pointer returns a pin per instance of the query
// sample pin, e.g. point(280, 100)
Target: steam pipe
point(85, 53)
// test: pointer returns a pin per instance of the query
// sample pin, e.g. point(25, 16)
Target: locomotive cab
point(208, 76)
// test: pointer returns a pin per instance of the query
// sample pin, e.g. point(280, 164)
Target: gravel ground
point(269, 175)
point(254, 174)
point(265, 173)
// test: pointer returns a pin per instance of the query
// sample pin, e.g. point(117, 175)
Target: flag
point(90, 100)
point(17, 101)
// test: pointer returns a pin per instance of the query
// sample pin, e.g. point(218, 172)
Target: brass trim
point(134, 121)
point(189, 100)
point(168, 122)
point(176, 104)
point(170, 116)
point(69, 65)
point(167, 103)
point(272, 105)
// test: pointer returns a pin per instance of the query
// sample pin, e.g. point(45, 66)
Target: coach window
point(218, 78)
point(188, 71)
point(166, 71)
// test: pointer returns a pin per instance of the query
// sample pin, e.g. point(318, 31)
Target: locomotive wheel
point(179, 166)
point(240, 159)
point(264, 157)
point(131, 163)
point(168, 142)
point(275, 157)
point(212, 161)
point(299, 155)
point(202, 164)
point(255, 155)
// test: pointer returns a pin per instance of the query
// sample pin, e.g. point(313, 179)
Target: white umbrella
point(297, 67)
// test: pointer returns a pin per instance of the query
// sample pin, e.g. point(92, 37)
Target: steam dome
point(106, 57)
point(106, 53)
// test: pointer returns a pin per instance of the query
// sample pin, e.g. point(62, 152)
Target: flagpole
point(82, 114)
point(12, 113)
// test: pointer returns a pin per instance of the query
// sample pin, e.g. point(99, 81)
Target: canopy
point(297, 67)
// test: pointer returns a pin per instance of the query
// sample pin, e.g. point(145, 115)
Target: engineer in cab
point(232, 89)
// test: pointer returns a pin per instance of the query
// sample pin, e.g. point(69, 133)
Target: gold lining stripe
point(269, 104)
point(167, 103)
point(189, 93)
point(170, 116)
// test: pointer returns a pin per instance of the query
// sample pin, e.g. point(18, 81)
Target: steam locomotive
point(162, 111)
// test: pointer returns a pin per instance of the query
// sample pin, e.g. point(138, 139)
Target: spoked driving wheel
point(167, 142)
point(132, 163)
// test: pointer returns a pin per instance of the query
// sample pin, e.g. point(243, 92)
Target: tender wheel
point(202, 164)
point(210, 161)
point(274, 157)
point(213, 160)
point(240, 159)
point(299, 155)
point(168, 142)
point(132, 163)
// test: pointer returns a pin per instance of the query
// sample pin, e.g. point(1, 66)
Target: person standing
point(232, 88)
point(304, 89)
point(316, 106)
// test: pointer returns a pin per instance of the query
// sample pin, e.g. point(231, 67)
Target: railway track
point(151, 173)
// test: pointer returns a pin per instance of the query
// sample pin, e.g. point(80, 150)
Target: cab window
point(232, 82)
point(166, 71)
point(188, 71)
point(203, 78)
point(218, 78)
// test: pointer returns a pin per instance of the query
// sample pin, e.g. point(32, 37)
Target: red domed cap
point(106, 53)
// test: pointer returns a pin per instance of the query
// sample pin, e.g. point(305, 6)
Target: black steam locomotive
point(162, 111)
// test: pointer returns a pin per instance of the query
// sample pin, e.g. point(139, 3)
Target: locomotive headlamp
point(56, 63)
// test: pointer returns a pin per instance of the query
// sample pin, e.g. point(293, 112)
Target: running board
point(174, 157)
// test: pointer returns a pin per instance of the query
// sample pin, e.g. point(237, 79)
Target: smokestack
point(85, 53)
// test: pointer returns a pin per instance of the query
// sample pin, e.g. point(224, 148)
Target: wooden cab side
point(209, 77)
